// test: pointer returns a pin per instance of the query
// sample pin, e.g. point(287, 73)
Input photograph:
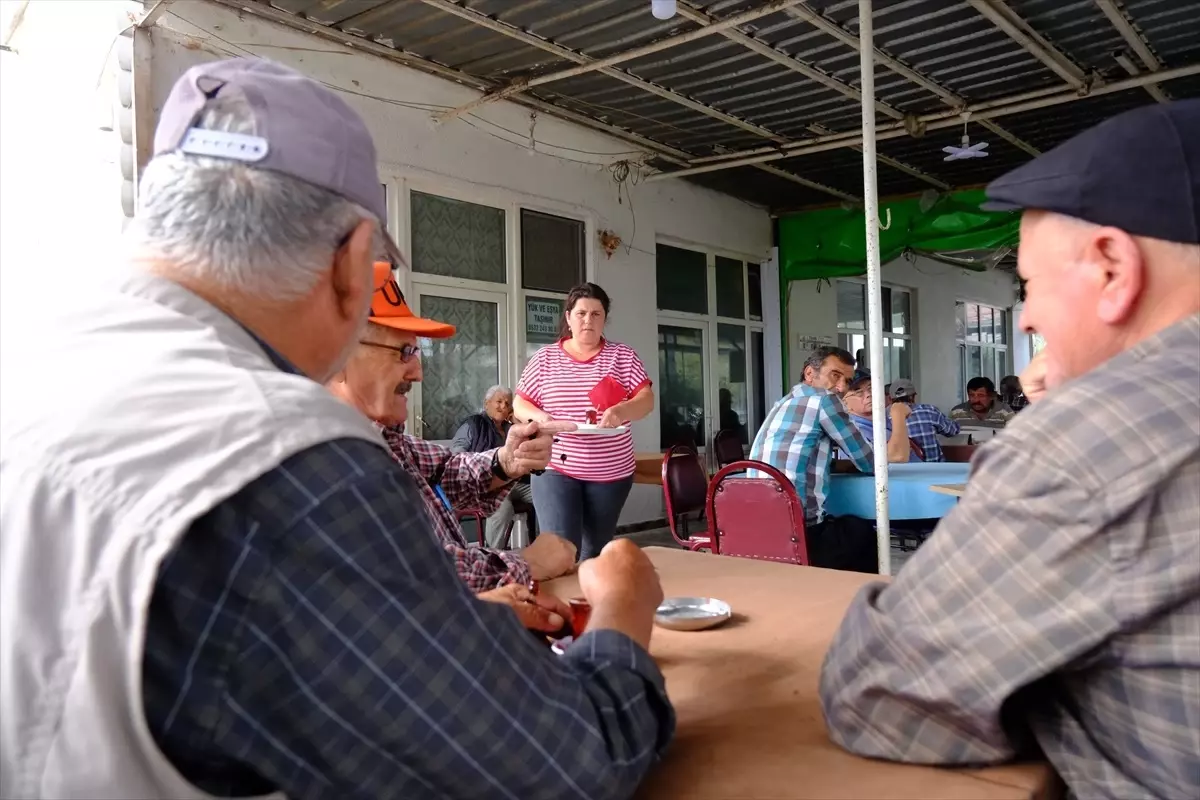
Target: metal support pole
point(866, 65)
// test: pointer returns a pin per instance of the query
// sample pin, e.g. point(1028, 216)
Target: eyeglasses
point(406, 351)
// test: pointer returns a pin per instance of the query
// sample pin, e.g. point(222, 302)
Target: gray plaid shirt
point(1058, 603)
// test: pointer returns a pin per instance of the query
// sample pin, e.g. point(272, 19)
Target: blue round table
point(909, 495)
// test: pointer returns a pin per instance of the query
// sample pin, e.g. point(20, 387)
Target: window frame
point(909, 337)
point(400, 185)
point(710, 323)
point(964, 342)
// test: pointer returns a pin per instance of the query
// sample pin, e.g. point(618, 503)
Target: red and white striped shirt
point(559, 383)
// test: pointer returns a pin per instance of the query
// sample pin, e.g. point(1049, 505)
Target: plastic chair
point(756, 517)
point(685, 488)
point(727, 445)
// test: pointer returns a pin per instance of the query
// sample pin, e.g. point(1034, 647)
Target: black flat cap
point(1138, 171)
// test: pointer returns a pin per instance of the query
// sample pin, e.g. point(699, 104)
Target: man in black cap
point(1058, 604)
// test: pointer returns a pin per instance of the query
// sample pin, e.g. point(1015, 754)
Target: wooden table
point(952, 489)
point(749, 721)
point(648, 469)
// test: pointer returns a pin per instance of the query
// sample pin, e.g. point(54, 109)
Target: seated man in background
point(1011, 393)
point(925, 422)
point(983, 406)
point(798, 438)
point(376, 380)
point(858, 403)
point(1057, 605)
point(485, 431)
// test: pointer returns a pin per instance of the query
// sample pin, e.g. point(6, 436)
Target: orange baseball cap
point(389, 308)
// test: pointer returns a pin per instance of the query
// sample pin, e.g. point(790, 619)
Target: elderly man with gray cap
point(216, 581)
point(1057, 606)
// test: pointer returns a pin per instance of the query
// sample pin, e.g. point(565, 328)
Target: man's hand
point(541, 612)
point(528, 446)
point(611, 418)
point(549, 557)
point(899, 411)
point(1035, 380)
point(623, 588)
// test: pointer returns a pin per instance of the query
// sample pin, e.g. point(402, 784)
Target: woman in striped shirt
point(582, 376)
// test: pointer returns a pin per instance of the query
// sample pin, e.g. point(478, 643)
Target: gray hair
point(495, 390)
point(258, 232)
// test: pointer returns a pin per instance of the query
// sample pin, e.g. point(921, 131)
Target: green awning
point(832, 242)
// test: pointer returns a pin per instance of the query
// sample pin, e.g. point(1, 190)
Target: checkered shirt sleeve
point(1058, 602)
point(464, 478)
point(836, 422)
point(309, 637)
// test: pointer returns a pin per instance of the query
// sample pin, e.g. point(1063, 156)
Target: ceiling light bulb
point(662, 9)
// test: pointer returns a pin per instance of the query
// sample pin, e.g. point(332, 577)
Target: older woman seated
point(487, 431)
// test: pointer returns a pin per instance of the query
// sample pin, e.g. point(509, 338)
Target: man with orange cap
point(376, 380)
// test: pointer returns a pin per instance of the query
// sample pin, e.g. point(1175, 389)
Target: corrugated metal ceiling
point(792, 73)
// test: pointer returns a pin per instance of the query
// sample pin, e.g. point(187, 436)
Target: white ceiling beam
point(783, 59)
point(1007, 20)
point(950, 98)
point(937, 121)
point(361, 44)
point(586, 63)
point(154, 11)
point(1137, 43)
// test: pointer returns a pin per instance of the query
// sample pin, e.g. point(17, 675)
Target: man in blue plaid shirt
point(799, 437)
point(925, 422)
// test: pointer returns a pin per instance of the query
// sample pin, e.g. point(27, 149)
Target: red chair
point(756, 517)
point(685, 489)
point(479, 518)
point(958, 453)
point(727, 445)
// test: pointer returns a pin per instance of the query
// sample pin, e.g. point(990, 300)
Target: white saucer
point(596, 430)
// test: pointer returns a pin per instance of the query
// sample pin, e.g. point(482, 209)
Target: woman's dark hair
point(583, 291)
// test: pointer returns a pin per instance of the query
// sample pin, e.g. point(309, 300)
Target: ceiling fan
point(966, 149)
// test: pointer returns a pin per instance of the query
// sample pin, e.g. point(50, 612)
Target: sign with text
point(542, 316)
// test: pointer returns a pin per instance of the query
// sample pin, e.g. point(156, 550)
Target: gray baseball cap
point(303, 130)
point(903, 387)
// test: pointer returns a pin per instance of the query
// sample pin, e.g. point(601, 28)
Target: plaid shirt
point(1058, 603)
point(867, 428)
point(309, 636)
point(924, 424)
point(464, 478)
point(798, 438)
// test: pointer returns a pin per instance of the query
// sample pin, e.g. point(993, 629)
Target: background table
point(952, 489)
point(648, 469)
point(749, 720)
point(909, 496)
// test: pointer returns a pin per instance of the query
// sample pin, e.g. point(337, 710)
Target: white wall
point(60, 196)
point(471, 157)
point(936, 287)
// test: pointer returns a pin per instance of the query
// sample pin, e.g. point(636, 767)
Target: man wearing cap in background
point(376, 380)
point(925, 422)
point(215, 580)
point(1058, 604)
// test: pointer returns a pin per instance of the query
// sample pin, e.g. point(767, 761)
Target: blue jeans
point(584, 513)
